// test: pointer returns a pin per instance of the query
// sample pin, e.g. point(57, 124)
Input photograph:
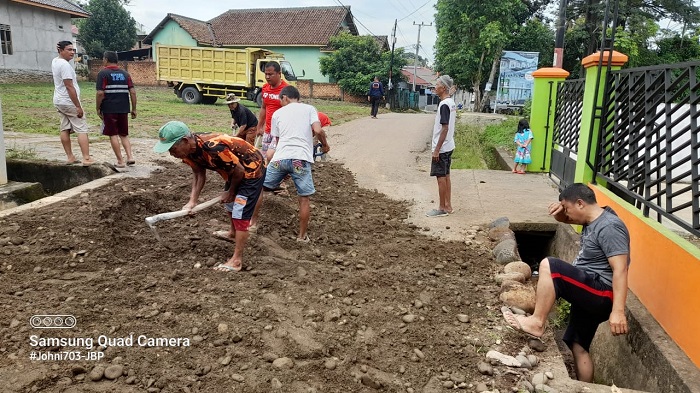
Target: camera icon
point(53, 321)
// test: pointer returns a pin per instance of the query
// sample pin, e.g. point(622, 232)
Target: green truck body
point(203, 74)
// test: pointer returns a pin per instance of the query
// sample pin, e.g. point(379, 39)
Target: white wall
point(35, 32)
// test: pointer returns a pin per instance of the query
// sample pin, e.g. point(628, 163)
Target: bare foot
point(224, 235)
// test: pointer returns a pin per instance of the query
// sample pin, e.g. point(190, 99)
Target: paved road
point(392, 154)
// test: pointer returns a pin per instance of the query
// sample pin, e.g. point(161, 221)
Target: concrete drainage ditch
point(33, 180)
point(645, 360)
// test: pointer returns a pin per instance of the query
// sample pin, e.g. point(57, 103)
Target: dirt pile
point(371, 303)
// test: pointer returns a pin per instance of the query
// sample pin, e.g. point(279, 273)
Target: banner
point(515, 78)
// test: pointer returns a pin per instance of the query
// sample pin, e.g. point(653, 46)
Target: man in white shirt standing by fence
point(66, 99)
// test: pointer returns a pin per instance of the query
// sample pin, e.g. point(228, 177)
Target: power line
point(416, 10)
point(354, 17)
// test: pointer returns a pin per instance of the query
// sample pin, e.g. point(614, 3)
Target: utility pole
point(415, 63)
point(559, 37)
point(391, 61)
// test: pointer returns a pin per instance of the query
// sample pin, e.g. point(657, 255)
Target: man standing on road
point(66, 99)
point(443, 144)
point(270, 103)
point(595, 284)
point(239, 163)
point(375, 95)
point(114, 91)
point(293, 129)
point(243, 121)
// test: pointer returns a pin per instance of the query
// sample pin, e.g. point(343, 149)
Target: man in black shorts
point(239, 163)
point(443, 144)
point(114, 89)
point(598, 272)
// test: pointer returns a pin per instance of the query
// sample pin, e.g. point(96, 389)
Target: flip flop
point(514, 324)
point(131, 163)
point(225, 268)
point(223, 235)
point(87, 162)
point(116, 165)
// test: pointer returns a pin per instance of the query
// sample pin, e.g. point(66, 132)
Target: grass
point(29, 108)
point(20, 153)
point(475, 143)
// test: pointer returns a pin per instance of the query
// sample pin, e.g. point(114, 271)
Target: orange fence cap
point(551, 72)
point(618, 59)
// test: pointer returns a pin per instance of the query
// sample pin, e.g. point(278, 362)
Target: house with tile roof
point(29, 31)
point(302, 34)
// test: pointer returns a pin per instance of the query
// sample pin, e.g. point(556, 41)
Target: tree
point(356, 60)
point(110, 27)
point(411, 59)
point(471, 36)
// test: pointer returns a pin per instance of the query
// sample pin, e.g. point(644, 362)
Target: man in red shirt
point(270, 103)
point(325, 126)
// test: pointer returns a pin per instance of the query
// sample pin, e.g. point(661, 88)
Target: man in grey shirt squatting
point(595, 283)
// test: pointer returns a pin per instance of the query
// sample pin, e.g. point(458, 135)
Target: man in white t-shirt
point(66, 99)
point(443, 144)
point(293, 128)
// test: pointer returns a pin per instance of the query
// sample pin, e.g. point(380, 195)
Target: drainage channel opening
point(33, 180)
point(535, 245)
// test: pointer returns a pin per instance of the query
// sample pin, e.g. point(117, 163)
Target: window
point(5, 40)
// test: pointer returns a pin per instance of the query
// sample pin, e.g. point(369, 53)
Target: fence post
point(590, 125)
point(544, 100)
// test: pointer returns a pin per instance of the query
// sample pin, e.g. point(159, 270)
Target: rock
point(283, 363)
point(522, 298)
point(276, 384)
point(237, 377)
point(549, 375)
point(463, 318)
point(503, 359)
point(97, 373)
point(485, 368)
point(225, 361)
point(501, 222)
point(130, 380)
point(236, 338)
point(503, 277)
point(527, 385)
point(536, 344)
point(532, 359)
point(518, 311)
point(419, 353)
point(332, 315)
point(370, 382)
point(330, 364)
point(269, 357)
point(77, 370)
point(114, 371)
point(508, 285)
point(222, 328)
point(539, 379)
point(37, 269)
point(448, 384)
point(518, 267)
point(408, 318)
point(14, 323)
point(506, 251)
point(301, 272)
point(501, 233)
point(542, 388)
point(481, 387)
point(524, 362)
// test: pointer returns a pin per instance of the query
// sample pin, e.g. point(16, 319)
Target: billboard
point(515, 78)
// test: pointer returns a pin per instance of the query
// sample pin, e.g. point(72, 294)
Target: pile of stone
point(517, 290)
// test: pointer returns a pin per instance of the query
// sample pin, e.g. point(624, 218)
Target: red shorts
point(116, 124)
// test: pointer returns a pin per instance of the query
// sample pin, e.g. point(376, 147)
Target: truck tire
point(190, 95)
point(209, 100)
point(258, 99)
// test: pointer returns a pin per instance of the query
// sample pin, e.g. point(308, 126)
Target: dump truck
point(203, 74)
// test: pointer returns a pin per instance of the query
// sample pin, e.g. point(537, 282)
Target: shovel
point(153, 220)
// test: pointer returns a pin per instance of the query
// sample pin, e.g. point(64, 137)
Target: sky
point(374, 17)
